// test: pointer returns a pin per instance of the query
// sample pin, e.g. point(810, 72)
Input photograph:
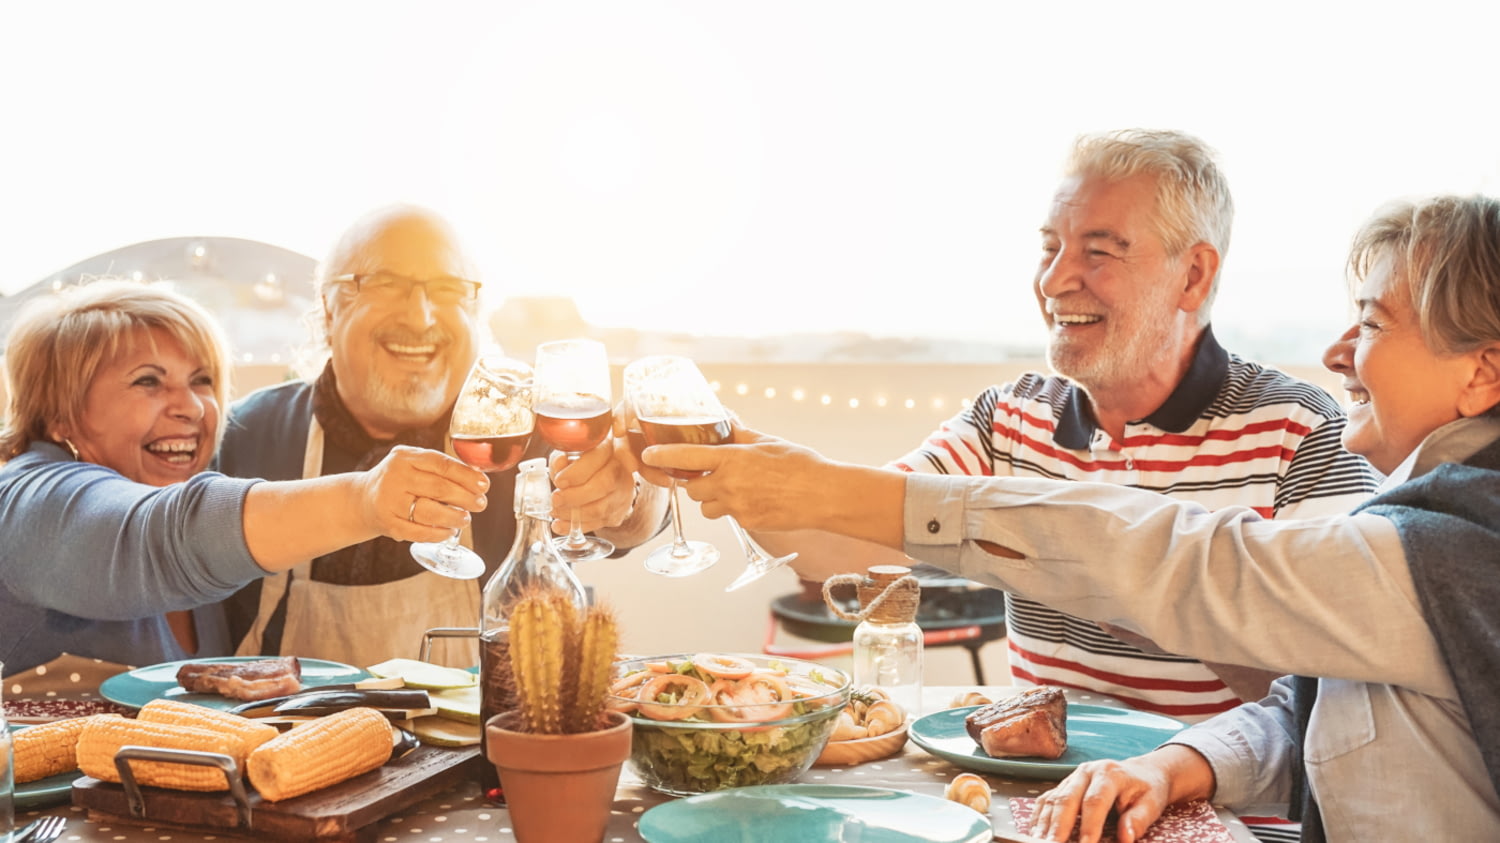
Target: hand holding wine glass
point(573, 415)
point(490, 428)
point(668, 396)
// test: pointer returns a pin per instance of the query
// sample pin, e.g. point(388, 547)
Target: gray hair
point(1446, 255)
point(1193, 204)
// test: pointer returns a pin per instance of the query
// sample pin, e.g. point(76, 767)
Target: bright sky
point(722, 167)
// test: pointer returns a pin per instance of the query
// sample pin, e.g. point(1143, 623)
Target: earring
point(72, 449)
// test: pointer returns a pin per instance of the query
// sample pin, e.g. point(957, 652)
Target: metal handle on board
point(137, 802)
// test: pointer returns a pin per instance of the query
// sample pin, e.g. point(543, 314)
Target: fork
point(44, 830)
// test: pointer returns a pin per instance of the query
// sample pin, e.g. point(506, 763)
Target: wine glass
point(491, 426)
point(573, 415)
point(758, 563)
point(671, 396)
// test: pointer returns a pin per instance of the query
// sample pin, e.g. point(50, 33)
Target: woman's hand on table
point(1139, 788)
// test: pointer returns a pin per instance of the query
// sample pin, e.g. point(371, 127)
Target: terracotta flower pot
point(559, 788)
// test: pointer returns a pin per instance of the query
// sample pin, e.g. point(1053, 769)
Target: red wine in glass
point(489, 429)
point(686, 431)
point(574, 425)
point(491, 453)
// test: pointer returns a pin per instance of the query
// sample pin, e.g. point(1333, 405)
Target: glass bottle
point(533, 560)
point(888, 642)
point(7, 775)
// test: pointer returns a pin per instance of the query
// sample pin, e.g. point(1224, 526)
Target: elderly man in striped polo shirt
point(1131, 252)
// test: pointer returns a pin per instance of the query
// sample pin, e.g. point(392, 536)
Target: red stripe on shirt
point(1189, 686)
point(1168, 709)
point(1047, 449)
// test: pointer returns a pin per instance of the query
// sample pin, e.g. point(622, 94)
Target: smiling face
point(1117, 306)
point(1400, 389)
point(150, 413)
point(400, 362)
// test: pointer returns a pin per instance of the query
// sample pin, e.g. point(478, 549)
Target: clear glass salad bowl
point(707, 722)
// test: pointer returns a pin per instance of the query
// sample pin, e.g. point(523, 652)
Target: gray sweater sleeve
point(84, 540)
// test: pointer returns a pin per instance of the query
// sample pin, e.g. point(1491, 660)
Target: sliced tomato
point(723, 667)
point(805, 689)
point(672, 696)
point(760, 696)
point(630, 682)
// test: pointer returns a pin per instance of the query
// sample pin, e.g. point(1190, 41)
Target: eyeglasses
point(390, 287)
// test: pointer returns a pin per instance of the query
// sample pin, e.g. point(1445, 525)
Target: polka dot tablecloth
point(463, 815)
point(67, 686)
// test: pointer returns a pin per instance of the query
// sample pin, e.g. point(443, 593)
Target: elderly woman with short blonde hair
point(109, 517)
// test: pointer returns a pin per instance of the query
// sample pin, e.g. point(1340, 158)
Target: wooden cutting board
point(344, 812)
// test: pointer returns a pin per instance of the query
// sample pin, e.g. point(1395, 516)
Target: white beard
point(408, 403)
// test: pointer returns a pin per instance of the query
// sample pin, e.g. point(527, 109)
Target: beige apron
point(362, 625)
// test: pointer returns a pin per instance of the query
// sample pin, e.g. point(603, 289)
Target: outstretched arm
point(413, 494)
point(772, 486)
point(100, 546)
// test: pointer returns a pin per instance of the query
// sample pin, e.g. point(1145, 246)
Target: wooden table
point(462, 814)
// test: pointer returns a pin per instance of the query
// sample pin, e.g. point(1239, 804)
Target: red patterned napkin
point(1191, 822)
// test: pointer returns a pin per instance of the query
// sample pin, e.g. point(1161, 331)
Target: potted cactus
point(559, 752)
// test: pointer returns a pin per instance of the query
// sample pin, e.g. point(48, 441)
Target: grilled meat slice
point(1032, 723)
point(252, 680)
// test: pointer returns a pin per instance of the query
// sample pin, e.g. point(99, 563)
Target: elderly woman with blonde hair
point(109, 518)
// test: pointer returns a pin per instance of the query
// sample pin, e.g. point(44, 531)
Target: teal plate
point(137, 687)
point(53, 790)
point(813, 813)
point(1095, 732)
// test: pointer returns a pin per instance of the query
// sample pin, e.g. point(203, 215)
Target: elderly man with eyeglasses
point(398, 309)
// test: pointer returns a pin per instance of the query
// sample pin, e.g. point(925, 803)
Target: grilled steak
point(252, 680)
point(1032, 723)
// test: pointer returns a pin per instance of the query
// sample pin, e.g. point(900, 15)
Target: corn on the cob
point(253, 733)
point(49, 749)
point(320, 752)
point(103, 737)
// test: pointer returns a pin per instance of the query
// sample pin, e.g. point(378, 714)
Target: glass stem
point(576, 538)
point(752, 553)
point(680, 546)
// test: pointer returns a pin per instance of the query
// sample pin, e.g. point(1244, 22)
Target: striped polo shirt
point(1232, 433)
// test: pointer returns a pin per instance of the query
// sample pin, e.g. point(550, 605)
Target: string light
point(878, 400)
